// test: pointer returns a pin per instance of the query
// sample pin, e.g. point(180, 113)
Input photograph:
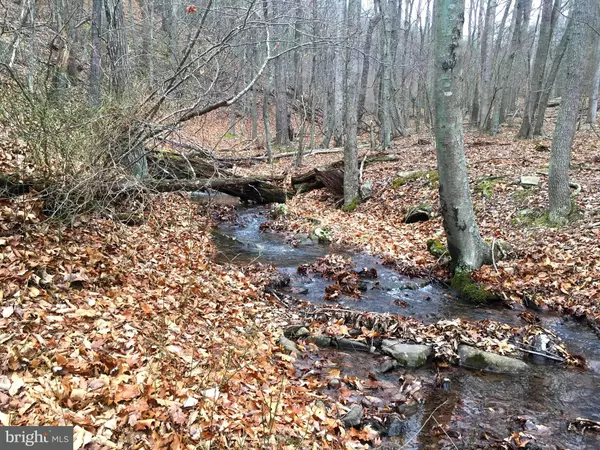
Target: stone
point(530, 180)
point(395, 425)
point(407, 355)
point(353, 417)
point(370, 401)
point(388, 365)
point(321, 341)
point(366, 190)
point(288, 345)
point(334, 383)
point(473, 358)
point(279, 280)
point(296, 331)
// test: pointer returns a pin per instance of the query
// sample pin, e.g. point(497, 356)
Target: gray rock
point(388, 365)
point(290, 346)
point(353, 417)
point(473, 358)
point(321, 341)
point(279, 280)
point(407, 355)
point(334, 383)
point(530, 180)
point(296, 331)
point(366, 190)
point(395, 425)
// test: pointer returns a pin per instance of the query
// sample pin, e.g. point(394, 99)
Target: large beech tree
point(466, 247)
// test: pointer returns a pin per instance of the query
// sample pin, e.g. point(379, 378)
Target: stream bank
point(477, 410)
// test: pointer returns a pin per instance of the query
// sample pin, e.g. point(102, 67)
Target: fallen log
point(248, 189)
point(332, 176)
point(173, 165)
point(196, 149)
point(320, 151)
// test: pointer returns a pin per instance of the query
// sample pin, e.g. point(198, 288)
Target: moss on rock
point(352, 206)
point(407, 177)
point(436, 248)
point(467, 288)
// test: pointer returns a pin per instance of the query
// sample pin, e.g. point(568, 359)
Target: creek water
point(480, 409)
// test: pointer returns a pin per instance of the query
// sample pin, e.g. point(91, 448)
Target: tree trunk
point(117, 45)
point(467, 249)
point(487, 60)
point(539, 66)
point(560, 51)
point(592, 114)
point(282, 136)
point(560, 155)
point(364, 78)
point(385, 85)
point(95, 62)
point(351, 182)
point(515, 43)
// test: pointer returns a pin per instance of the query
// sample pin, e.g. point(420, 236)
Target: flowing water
point(477, 405)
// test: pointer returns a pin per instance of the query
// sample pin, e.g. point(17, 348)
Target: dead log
point(195, 149)
point(248, 189)
point(173, 165)
point(319, 151)
point(332, 176)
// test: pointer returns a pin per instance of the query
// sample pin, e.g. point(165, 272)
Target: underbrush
point(72, 154)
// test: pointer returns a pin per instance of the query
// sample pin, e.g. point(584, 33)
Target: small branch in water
point(423, 426)
point(545, 355)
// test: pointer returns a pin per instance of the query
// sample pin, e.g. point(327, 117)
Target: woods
point(301, 223)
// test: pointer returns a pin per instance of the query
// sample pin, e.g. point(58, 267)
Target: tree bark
point(487, 59)
point(351, 182)
point(560, 155)
point(544, 99)
point(117, 45)
point(592, 114)
point(515, 42)
point(95, 79)
point(465, 245)
point(364, 78)
point(539, 66)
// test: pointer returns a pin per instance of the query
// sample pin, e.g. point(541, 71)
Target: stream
point(477, 405)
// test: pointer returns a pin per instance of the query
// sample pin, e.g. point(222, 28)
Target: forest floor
point(137, 338)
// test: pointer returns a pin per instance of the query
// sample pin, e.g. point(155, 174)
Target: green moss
point(407, 177)
point(486, 185)
point(323, 234)
point(352, 205)
point(539, 218)
point(467, 288)
point(436, 248)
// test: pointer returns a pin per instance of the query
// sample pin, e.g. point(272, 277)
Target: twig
point(493, 256)
point(545, 355)
point(449, 438)
point(423, 426)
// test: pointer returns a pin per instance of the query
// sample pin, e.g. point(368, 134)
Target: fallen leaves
point(133, 335)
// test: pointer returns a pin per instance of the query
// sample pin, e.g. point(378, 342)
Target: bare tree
point(564, 133)
point(466, 247)
point(351, 182)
